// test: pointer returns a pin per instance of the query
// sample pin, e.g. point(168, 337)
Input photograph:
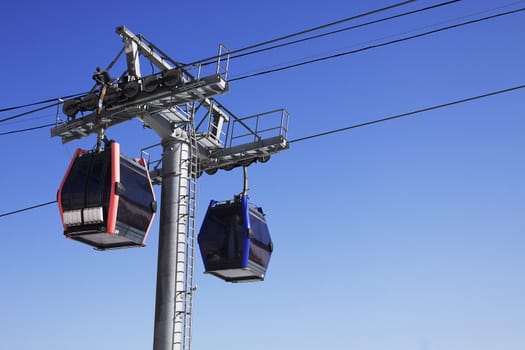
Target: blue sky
point(407, 234)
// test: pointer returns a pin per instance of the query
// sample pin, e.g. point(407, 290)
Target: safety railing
point(257, 127)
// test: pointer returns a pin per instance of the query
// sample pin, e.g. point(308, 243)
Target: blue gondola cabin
point(106, 200)
point(234, 241)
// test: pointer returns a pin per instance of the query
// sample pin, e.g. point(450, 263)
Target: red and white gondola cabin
point(106, 200)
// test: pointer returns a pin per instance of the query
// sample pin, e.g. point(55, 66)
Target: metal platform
point(247, 140)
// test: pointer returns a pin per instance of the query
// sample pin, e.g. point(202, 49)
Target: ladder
point(187, 209)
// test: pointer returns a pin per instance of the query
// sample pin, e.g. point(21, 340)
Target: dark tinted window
point(259, 227)
point(134, 215)
point(86, 183)
point(97, 183)
point(137, 188)
point(223, 235)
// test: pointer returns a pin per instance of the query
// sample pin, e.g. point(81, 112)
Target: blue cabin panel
point(234, 241)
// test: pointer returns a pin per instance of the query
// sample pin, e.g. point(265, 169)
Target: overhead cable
point(396, 41)
point(26, 209)
point(284, 37)
point(59, 102)
point(29, 112)
point(27, 129)
point(56, 100)
point(337, 31)
point(408, 114)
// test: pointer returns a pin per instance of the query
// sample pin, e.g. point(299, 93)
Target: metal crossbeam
point(144, 103)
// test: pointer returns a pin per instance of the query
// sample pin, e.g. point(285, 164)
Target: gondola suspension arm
point(245, 185)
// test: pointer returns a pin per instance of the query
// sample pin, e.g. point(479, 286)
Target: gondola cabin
point(234, 241)
point(106, 200)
